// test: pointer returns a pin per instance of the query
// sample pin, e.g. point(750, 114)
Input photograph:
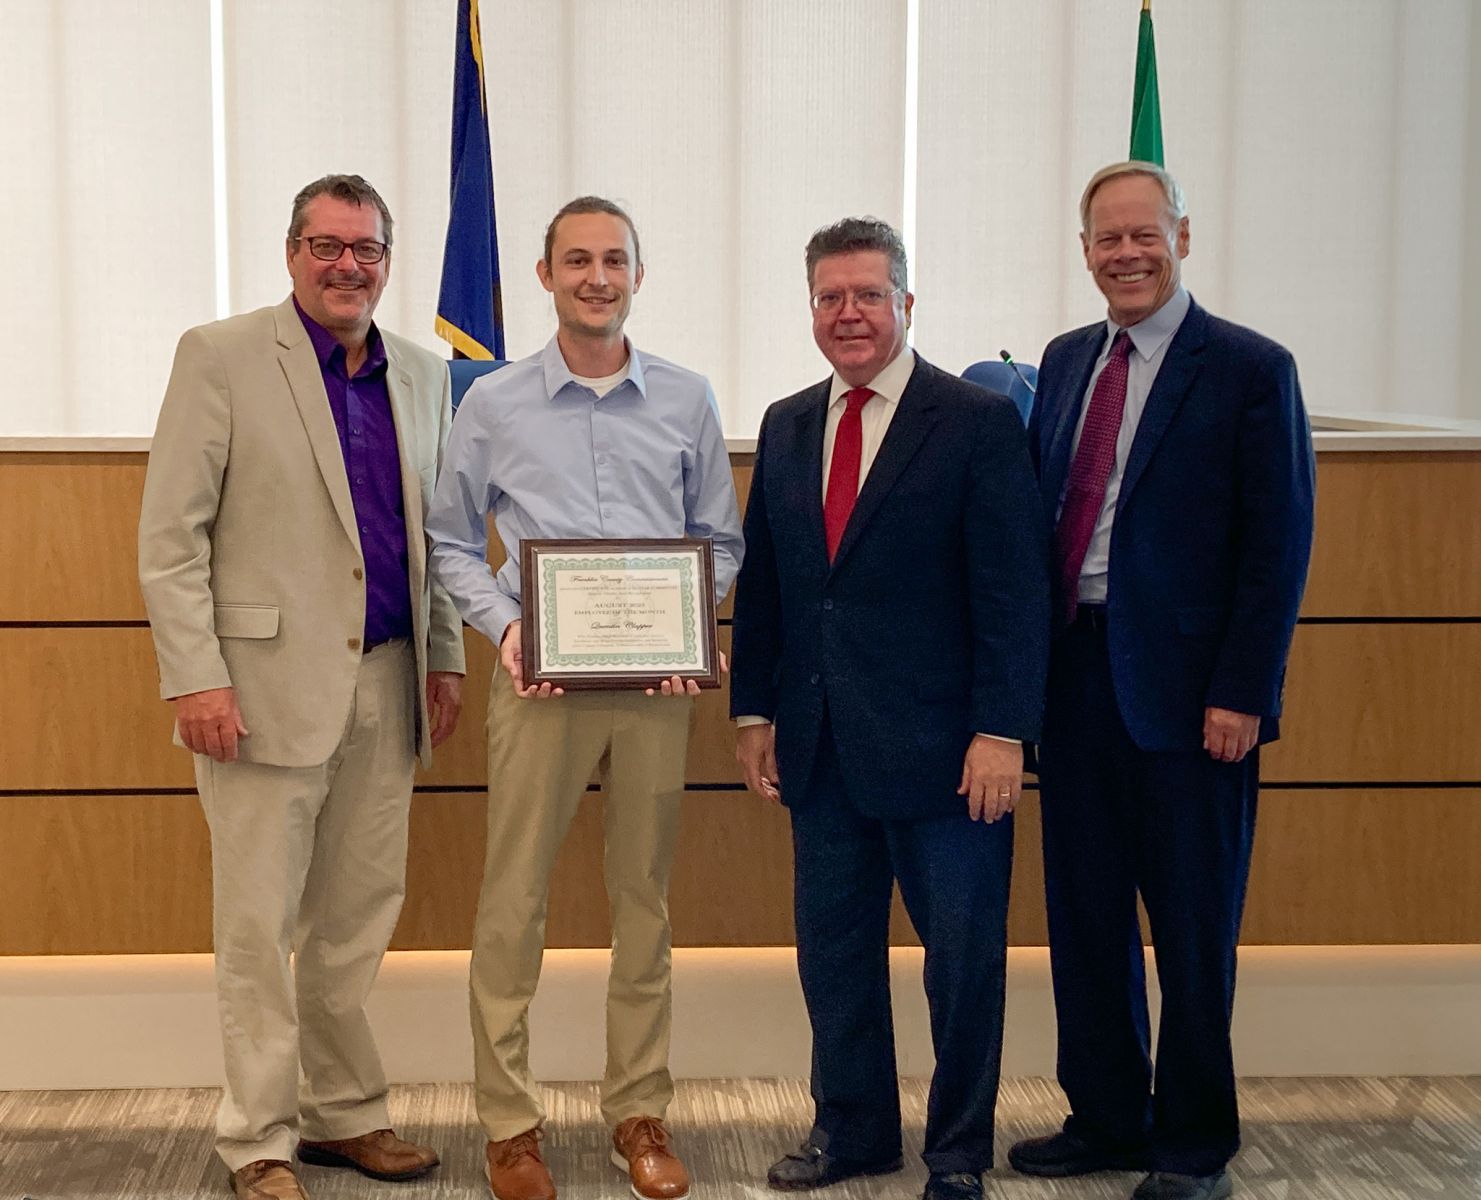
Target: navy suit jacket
point(932, 622)
point(1213, 525)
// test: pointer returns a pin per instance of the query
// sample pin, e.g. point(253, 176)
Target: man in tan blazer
point(309, 659)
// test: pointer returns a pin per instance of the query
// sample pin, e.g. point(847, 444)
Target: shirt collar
point(325, 344)
point(1148, 334)
point(558, 375)
point(889, 384)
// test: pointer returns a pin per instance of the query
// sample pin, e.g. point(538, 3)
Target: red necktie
point(843, 470)
point(1091, 468)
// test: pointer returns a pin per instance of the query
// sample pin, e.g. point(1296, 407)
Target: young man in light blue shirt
point(586, 439)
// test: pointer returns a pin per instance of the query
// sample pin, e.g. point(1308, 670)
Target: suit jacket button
point(828, 605)
point(359, 574)
point(812, 679)
point(353, 643)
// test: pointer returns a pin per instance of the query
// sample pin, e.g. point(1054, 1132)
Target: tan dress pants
point(309, 861)
point(541, 755)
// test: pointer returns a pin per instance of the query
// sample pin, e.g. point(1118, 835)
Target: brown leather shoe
point(515, 1169)
point(267, 1179)
point(379, 1154)
point(640, 1146)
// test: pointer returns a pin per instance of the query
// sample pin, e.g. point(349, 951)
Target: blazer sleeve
point(1277, 484)
point(756, 628)
point(182, 492)
point(445, 626)
point(1007, 553)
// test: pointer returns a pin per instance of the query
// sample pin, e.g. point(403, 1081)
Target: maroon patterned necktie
point(1086, 492)
point(843, 469)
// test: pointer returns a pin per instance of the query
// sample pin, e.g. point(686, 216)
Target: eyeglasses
point(831, 302)
point(328, 249)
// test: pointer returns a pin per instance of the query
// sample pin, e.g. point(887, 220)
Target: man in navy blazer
point(891, 638)
point(1175, 466)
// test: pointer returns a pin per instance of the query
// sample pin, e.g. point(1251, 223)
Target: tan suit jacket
point(249, 557)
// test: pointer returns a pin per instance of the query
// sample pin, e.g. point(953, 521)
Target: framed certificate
point(618, 613)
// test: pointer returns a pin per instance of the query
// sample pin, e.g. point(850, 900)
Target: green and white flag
point(1146, 111)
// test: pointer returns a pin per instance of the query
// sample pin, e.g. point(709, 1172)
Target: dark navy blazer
point(1213, 524)
point(931, 624)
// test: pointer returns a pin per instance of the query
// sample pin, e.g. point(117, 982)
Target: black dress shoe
point(1062, 1154)
point(955, 1185)
point(1167, 1185)
point(808, 1167)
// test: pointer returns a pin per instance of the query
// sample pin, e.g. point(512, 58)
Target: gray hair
point(584, 205)
point(853, 234)
point(352, 189)
point(1177, 206)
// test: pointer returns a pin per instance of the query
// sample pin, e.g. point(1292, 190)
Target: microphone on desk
point(1017, 370)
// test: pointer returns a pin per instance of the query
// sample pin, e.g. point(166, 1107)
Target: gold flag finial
point(1146, 5)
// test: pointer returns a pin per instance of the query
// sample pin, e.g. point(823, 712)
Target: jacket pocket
point(1198, 621)
point(246, 620)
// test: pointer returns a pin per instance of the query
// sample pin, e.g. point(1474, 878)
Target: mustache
point(357, 277)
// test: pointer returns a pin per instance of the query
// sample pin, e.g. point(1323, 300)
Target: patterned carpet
point(1305, 1139)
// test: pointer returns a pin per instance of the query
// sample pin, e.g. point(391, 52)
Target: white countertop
point(1331, 431)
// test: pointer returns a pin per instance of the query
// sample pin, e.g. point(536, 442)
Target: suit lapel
point(306, 381)
point(403, 413)
point(1067, 416)
point(808, 501)
point(1174, 380)
point(908, 428)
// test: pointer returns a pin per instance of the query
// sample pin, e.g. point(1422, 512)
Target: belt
point(1091, 616)
point(376, 645)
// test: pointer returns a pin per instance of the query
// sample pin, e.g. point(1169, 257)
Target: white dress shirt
point(878, 411)
point(1149, 341)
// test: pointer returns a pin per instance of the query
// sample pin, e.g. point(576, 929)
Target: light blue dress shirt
point(551, 459)
point(1150, 338)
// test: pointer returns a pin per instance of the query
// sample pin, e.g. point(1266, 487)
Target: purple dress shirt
point(367, 439)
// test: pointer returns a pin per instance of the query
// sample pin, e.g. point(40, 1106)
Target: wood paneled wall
point(1369, 818)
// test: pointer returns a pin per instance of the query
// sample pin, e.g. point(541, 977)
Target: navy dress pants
point(953, 874)
point(1177, 829)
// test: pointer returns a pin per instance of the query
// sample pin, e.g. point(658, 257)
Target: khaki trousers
point(309, 861)
point(541, 755)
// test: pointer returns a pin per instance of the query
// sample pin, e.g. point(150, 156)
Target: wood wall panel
point(82, 514)
point(1368, 867)
point(1365, 703)
point(131, 874)
point(68, 539)
point(1380, 702)
point(1397, 535)
point(80, 709)
point(104, 875)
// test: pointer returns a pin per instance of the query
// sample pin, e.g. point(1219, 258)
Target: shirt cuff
point(742, 722)
point(998, 738)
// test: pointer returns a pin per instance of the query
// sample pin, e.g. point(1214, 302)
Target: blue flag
point(470, 311)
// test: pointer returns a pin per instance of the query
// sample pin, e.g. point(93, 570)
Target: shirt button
point(828, 604)
point(353, 643)
point(359, 574)
point(812, 679)
point(365, 529)
point(360, 480)
point(356, 431)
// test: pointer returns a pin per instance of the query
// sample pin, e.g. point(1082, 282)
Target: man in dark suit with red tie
point(891, 626)
point(1175, 465)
